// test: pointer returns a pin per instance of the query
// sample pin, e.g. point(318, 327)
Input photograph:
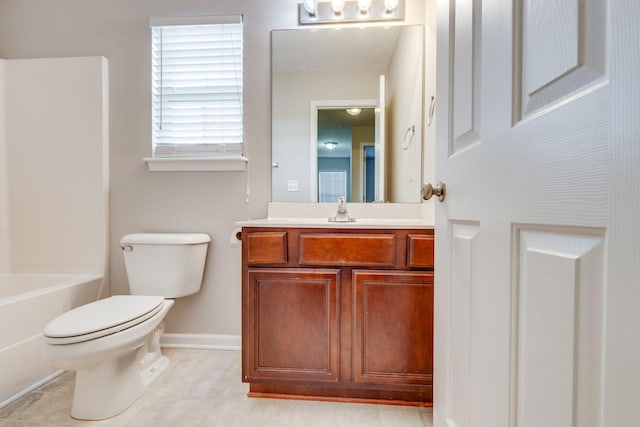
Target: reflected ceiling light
point(313, 12)
point(390, 5)
point(330, 145)
point(337, 6)
point(353, 111)
point(364, 5)
point(311, 6)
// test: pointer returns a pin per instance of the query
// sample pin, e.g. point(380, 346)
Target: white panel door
point(537, 261)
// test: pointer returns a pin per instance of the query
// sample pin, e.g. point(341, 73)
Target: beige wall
point(405, 105)
point(207, 202)
point(360, 137)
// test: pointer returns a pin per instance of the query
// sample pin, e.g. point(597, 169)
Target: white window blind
point(197, 87)
point(331, 185)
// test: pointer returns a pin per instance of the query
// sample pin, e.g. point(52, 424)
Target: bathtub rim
point(69, 281)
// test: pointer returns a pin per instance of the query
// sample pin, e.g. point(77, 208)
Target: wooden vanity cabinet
point(293, 330)
point(338, 314)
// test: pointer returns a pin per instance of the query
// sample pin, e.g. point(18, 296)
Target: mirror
point(319, 150)
point(346, 153)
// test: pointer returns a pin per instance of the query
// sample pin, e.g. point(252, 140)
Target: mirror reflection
point(347, 114)
point(346, 153)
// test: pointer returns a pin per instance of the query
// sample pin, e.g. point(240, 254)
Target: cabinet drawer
point(419, 251)
point(347, 249)
point(269, 247)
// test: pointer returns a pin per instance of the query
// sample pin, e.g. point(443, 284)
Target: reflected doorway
point(368, 172)
point(342, 160)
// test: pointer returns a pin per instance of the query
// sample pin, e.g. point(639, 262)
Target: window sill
point(196, 164)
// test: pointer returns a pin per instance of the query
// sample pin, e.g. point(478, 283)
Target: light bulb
point(390, 5)
point(337, 6)
point(364, 5)
point(311, 6)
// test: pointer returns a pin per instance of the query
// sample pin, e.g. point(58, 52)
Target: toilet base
point(120, 383)
point(114, 370)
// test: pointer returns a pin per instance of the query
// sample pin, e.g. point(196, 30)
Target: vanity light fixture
point(353, 111)
point(364, 5)
point(390, 5)
point(338, 6)
point(311, 7)
point(312, 12)
point(330, 145)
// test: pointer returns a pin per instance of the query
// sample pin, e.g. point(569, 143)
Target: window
point(331, 185)
point(196, 89)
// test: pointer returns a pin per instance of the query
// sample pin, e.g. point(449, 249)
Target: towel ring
point(411, 131)
point(432, 109)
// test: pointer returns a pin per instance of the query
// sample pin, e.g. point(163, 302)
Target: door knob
point(429, 190)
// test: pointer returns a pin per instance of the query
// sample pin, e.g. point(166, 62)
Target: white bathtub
point(27, 303)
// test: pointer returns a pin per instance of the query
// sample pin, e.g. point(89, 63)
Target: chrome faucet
point(342, 215)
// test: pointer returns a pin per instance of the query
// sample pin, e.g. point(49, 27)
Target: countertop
point(367, 215)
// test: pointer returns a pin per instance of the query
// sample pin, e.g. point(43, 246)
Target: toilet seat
point(101, 318)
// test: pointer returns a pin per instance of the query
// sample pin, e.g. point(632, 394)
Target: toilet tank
point(165, 264)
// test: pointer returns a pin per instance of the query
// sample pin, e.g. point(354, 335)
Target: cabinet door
point(393, 327)
point(292, 325)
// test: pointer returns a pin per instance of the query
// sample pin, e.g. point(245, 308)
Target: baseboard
point(202, 341)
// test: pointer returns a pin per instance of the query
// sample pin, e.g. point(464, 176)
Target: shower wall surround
point(53, 165)
point(4, 183)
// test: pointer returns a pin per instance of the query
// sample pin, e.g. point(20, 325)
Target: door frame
point(362, 170)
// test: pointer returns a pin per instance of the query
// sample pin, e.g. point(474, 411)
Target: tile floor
point(203, 388)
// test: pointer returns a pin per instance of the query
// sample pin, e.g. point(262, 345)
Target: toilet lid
point(102, 317)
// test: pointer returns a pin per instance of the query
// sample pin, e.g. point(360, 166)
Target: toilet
point(113, 344)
